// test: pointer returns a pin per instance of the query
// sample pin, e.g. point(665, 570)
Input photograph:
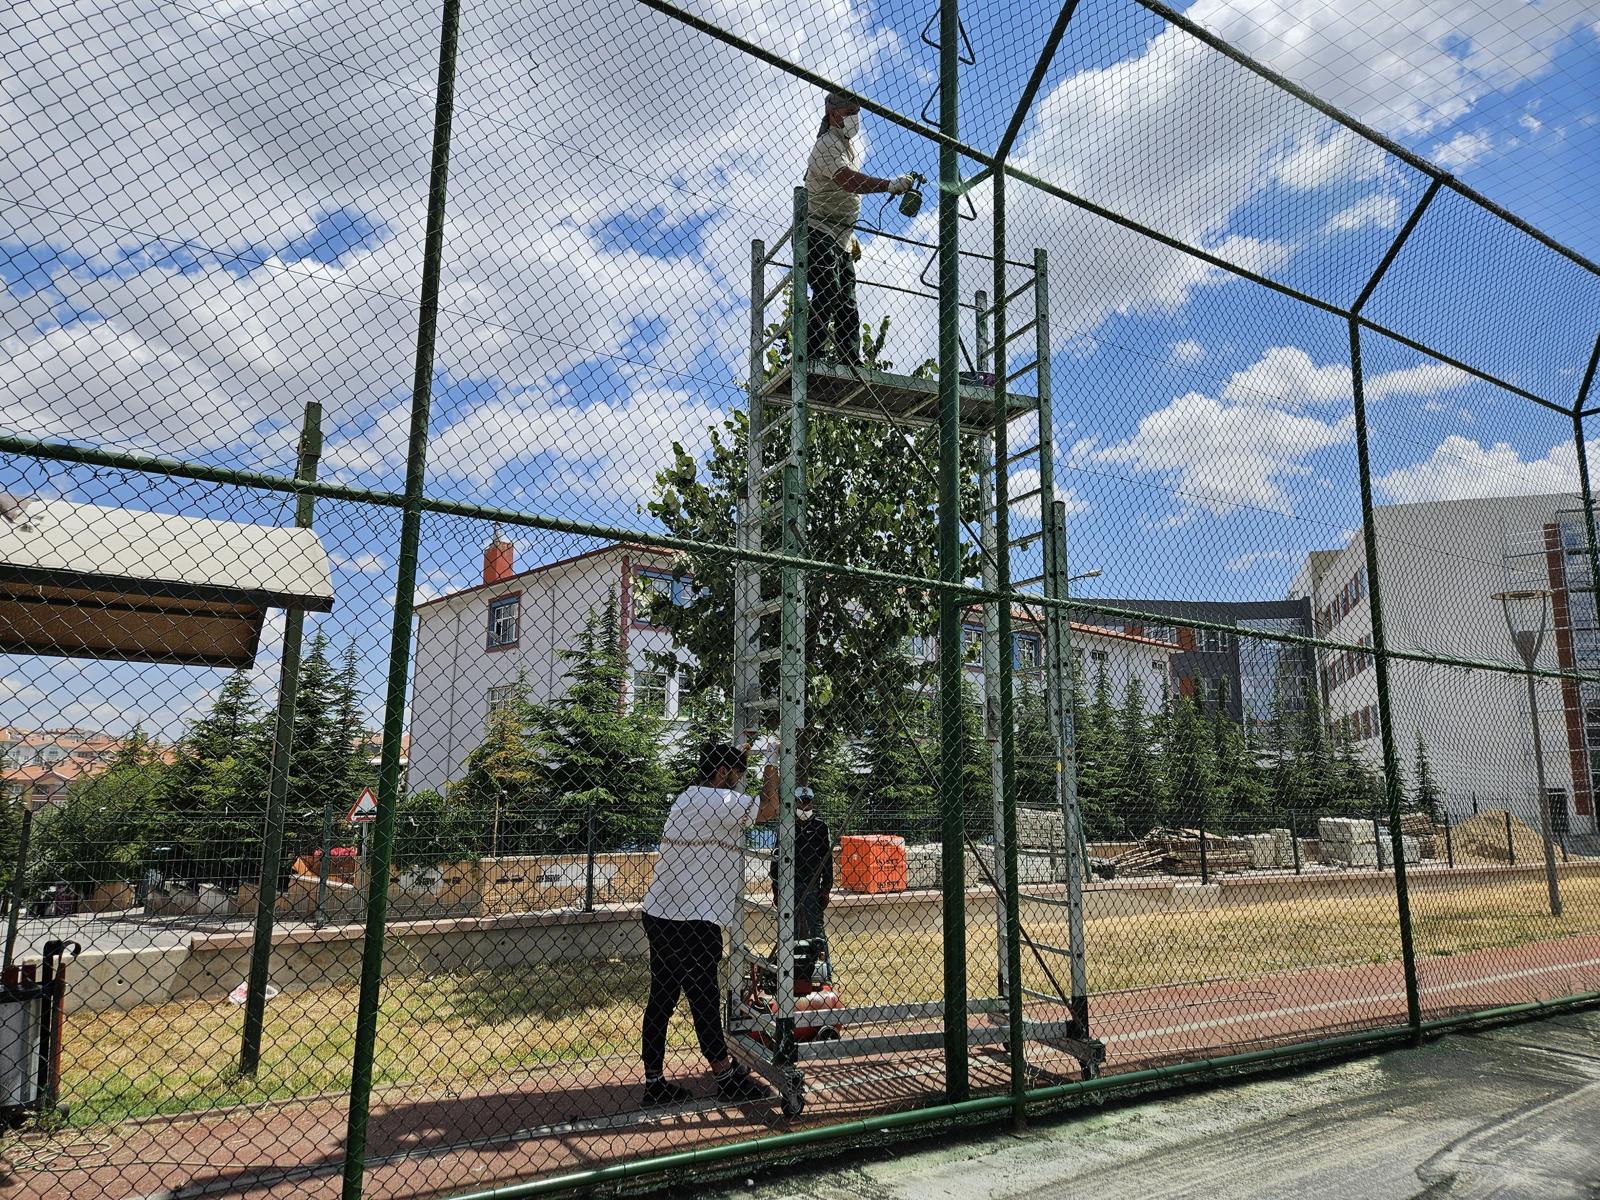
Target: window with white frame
point(505, 622)
point(1026, 651)
point(650, 691)
point(501, 696)
point(1214, 641)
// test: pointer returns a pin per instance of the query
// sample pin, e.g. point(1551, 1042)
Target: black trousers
point(834, 315)
point(683, 960)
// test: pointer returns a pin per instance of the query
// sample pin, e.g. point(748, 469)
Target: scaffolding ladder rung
point(1047, 997)
point(1013, 334)
point(783, 282)
point(781, 243)
point(770, 654)
point(1018, 584)
point(1049, 949)
point(1022, 370)
point(1025, 540)
point(1008, 298)
point(765, 608)
point(1053, 901)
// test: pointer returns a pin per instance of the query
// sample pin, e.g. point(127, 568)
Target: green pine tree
point(598, 772)
point(1425, 792)
point(1243, 796)
point(899, 752)
point(1189, 767)
point(212, 800)
point(1132, 782)
point(496, 789)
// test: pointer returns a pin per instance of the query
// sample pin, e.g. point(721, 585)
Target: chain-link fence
point(1095, 587)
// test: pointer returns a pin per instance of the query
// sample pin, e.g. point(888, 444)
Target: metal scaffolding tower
point(769, 685)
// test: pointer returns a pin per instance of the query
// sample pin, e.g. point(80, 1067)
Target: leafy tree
point(594, 761)
point(1425, 792)
point(97, 834)
point(872, 498)
point(431, 830)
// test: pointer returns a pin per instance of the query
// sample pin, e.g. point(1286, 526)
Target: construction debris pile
point(1482, 838)
point(1178, 852)
point(1340, 842)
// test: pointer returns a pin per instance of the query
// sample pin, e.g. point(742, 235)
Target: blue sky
point(234, 227)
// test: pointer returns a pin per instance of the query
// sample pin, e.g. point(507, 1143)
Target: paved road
point(105, 932)
point(1508, 1113)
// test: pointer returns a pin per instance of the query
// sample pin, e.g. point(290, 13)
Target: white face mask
point(851, 125)
point(804, 814)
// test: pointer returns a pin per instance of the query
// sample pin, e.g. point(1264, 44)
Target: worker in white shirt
point(694, 896)
point(834, 187)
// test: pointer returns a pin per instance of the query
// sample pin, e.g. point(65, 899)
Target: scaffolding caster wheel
point(793, 1098)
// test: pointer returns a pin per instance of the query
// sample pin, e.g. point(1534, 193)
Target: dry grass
point(470, 1027)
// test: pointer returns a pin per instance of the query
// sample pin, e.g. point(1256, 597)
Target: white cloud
point(1186, 351)
point(1461, 468)
point(361, 564)
point(1287, 376)
point(1380, 211)
point(1397, 64)
point(1244, 448)
point(1462, 150)
point(1219, 457)
point(1319, 161)
point(1246, 562)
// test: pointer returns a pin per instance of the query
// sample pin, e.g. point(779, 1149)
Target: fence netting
point(583, 581)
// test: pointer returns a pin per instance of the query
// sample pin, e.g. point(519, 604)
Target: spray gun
point(911, 202)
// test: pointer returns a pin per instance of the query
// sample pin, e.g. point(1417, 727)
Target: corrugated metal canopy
point(87, 581)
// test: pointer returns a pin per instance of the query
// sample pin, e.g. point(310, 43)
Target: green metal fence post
point(950, 567)
point(1380, 641)
point(394, 712)
point(1588, 519)
point(1380, 644)
point(1004, 718)
point(255, 997)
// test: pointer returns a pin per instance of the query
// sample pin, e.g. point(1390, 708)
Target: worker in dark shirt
point(813, 879)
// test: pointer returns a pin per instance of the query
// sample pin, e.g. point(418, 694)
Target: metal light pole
point(1527, 615)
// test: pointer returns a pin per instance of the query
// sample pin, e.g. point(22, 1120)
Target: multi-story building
point(1254, 677)
point(42, 765)
point(1441, 563)
point(474, 646)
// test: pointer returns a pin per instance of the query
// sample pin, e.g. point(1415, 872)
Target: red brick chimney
point(498, 558)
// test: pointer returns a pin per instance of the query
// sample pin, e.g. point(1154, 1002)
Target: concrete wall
point(209, 966)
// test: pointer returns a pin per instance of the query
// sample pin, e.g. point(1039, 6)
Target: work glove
point(855, 248)
point(901, 184)
point(767, 747)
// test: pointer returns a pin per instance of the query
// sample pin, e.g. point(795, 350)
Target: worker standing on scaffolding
point(695, 894)
point(834, 187)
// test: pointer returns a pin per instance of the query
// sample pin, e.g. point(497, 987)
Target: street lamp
point(1094, 574)
point(1527, 616)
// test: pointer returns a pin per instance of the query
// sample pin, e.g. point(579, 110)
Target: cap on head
point(804, 795)
point(837, 100)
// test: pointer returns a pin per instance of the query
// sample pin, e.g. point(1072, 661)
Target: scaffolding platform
point(871, 395)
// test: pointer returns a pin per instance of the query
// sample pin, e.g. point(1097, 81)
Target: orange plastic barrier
point(872, 862)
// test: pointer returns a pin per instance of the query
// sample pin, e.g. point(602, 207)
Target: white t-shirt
point(830, 208)
point(700, 871)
